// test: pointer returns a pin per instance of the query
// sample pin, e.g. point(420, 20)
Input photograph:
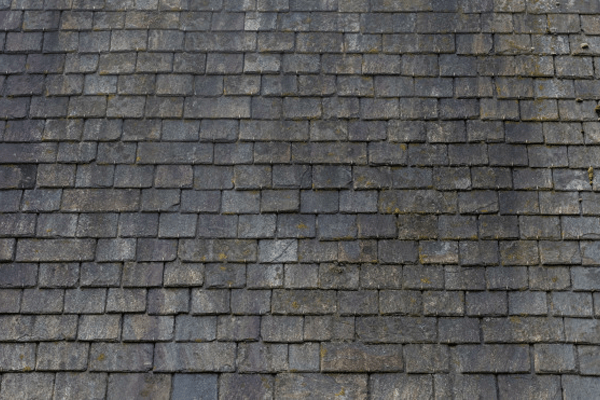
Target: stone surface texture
point(292, 199)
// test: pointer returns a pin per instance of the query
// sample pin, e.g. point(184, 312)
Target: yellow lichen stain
point(222, 256)
point(323, 352)
point(295, 304)
point(425, 280)
point(137, 159)
point(554, 279)
point(27, 369)
point(403, 146)
point(302, 226)
point(514, 319)
point(265, 381)
point(341, 393)
point(198, 340)
point(223, 268)
point(590, 172)
point(21, 356)
point(101, 357)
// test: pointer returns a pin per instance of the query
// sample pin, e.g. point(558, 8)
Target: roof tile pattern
point(269, 199)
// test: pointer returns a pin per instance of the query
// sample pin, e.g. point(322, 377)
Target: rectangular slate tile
point(190, 357)
point(402, 385)
point(218, 250)
point(396, 329)
point(62, 356)
point(97, 200)
point(223, 107)
point(19, 153)
point(174, 153)
point(117, 357)
point(54, 250)
point(493, 358)
point(302, 385)
point(361, 358)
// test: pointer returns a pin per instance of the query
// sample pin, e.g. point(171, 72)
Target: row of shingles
point(294, 5)
point(396, 132)
point(306, 20)
point(403, 144)
point(416, 176)
point(523, 223)
point(234, 275)
point(311, 108)
point(371, 24)
point(463, 6)
point(480, 61)
point(133, 276)
point(294, 108)
point(282, 6)
point(523, 252)
point(450, 167)
point(169, 34)
point(146, 273)
point(183, 386)
point(410, 108)
point(350, 302)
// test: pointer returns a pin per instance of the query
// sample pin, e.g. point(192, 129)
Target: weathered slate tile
point(194, 357)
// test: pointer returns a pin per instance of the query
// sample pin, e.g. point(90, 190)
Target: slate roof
point(299, 199)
